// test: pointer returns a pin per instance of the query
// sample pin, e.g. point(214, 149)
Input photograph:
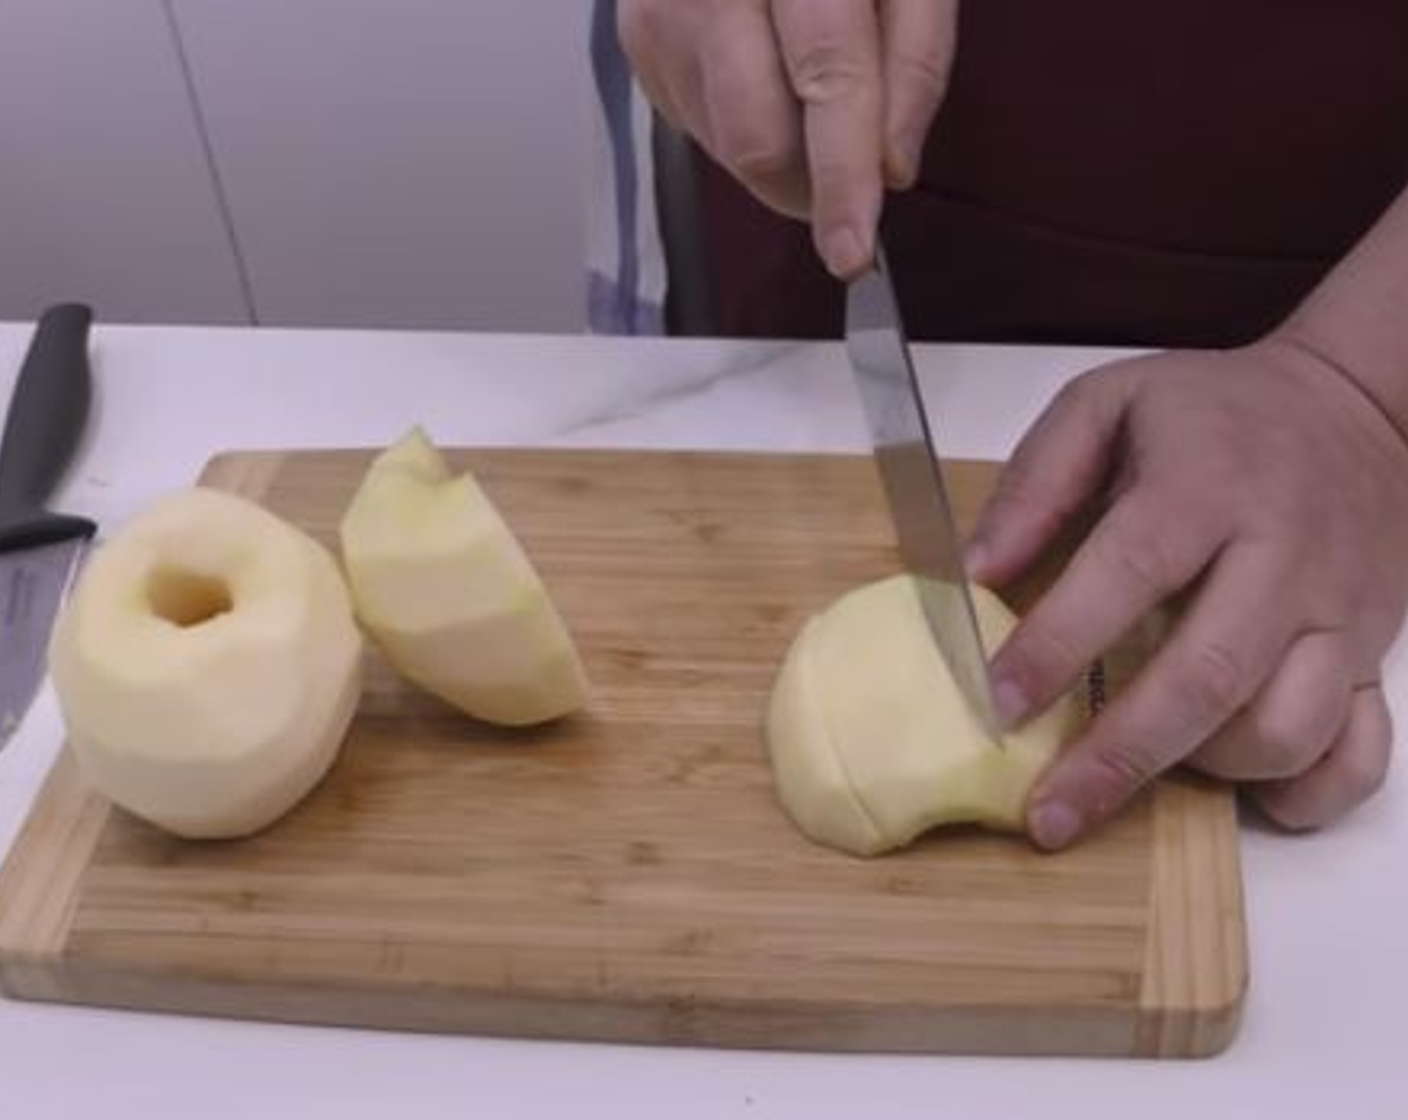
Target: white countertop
point(1323, 1031)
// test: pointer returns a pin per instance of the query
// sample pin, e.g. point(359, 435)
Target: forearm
point(1357, 318)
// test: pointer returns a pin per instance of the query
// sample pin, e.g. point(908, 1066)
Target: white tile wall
point(407, 163)
point(415, 163)
point(104, 191)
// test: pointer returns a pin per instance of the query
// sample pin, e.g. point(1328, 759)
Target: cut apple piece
point(207, 665)
point(872, 742)
point(444, 587)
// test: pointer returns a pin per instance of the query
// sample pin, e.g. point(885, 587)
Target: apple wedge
point(872, 743)
point(207, 665)
point(445, 589)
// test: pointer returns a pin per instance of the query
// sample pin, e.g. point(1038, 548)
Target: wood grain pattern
point(626, 875)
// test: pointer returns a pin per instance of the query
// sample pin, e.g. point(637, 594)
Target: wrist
point(1383, 386)
point(1356, 320)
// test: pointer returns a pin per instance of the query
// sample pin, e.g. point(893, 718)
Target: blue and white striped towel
point(625, 259)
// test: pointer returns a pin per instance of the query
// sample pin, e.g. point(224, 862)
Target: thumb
point(1059, 464)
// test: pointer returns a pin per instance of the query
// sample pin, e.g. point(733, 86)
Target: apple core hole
point(188, 599)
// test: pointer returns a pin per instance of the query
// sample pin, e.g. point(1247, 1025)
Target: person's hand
point(1267, 492)
point(815, 105)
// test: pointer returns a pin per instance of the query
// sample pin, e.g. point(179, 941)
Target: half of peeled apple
point(872, 742)
point(443, 586)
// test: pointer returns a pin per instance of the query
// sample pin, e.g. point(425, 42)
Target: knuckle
point(1044, 654)
point(758, 157)
point(1144, 563)
point(1023, 495)
point(1117, 772)
point(1280, 748)
point(1021, 488)
point(1353, 773)
point(840, 186)
point(920, 72)
point(1363, 774)
point(826, 71)
point(1212, 684)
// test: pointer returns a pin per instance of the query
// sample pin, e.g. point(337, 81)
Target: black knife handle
point(48, 411)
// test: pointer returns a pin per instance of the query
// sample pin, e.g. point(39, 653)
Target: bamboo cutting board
point(626, 875)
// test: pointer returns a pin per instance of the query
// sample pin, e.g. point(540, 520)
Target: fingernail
point(1053, 824)
point(899, 172)
point(904, 164)
point(845, 253)
point(1010, 702)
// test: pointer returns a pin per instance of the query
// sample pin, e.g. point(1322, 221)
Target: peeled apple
point(445, 589)
point(207, 665)
point(872, 743)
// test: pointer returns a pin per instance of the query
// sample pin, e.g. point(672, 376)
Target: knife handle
point(48, 411)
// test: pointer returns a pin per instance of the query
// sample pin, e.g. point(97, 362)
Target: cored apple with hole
point(207, 665)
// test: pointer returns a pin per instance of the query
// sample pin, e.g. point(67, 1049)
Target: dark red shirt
point(1146, 172)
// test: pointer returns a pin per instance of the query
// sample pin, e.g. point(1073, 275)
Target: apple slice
point(444, 587)
point(207, 665)
point(873, 744)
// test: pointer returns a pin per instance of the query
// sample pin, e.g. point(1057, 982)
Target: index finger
point(831, 49)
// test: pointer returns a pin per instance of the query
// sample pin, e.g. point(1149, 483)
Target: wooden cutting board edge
point(1190, 1003)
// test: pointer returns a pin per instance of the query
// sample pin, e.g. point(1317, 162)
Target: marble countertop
point(1328, 913)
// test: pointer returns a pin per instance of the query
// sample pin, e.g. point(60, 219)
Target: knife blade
point(39, 551)
point(912, 477)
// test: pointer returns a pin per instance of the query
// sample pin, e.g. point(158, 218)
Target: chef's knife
point(913, 481)
point(39, 551)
